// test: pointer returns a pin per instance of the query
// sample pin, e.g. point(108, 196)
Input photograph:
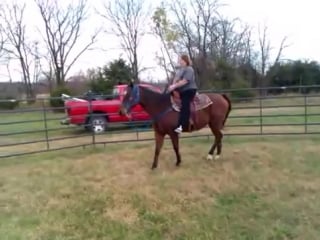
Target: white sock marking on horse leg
point(216, 157)
point(209, 157)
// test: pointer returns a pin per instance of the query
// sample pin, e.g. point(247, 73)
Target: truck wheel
point(97, 124)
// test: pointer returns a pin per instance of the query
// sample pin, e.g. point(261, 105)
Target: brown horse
point(207, 109)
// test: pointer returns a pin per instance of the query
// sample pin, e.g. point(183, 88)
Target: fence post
point(90, 122)
point(305, 114)
point(44, 112)
point(260, 108)
point(137, 134)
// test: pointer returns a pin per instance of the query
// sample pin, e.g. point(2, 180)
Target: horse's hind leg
point(211, 151)
point(175, 142)
point(219, 145)
point(217, 142)
point(159, 143)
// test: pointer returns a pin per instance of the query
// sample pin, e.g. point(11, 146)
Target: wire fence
point(268, 111)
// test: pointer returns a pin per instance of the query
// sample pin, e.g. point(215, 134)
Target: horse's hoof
point(153, 167)
point(209, 157)
point(217, 157)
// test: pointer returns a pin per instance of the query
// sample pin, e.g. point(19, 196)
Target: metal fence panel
point(29, 130)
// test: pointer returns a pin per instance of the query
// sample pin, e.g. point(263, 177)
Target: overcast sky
point(299, 20)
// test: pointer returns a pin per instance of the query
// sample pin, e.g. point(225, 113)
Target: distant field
point(261, 188)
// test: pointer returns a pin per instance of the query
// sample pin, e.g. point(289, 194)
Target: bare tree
point(265, 49)
point(248, 54)
point(211, 40)
point(2, 35)
point(283, 45)
point(2, 41)
point(8, 70)
point(194, 21)
point(128, 19)
point(264, 54)
point(163, 29)
point(62, 33)
point(48, 75)
point(17, 46)
point(230, 41)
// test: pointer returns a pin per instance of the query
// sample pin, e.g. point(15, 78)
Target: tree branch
point(127, 18)
point(63, 30)
point(16, 45)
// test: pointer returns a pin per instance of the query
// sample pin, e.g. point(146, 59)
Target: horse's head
point(131, 98)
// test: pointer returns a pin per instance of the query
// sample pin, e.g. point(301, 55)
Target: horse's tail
point(229, 107)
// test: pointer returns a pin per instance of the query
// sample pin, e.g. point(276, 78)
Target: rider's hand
point(171, 88)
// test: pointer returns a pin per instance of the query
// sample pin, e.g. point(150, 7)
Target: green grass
point(261, 188)
point(276, 112)
point(276, 116)
point(32, 121)
point(271, 107)
point(36, 127)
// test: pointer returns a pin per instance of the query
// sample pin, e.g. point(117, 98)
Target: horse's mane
point(159, 97)
point(149, 86)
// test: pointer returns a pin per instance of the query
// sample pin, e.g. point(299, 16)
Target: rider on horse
point(184, 82)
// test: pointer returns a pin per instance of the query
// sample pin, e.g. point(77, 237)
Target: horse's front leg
point(159, 143)
point(175, 142)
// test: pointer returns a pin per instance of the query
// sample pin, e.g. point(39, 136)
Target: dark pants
point(186, 99)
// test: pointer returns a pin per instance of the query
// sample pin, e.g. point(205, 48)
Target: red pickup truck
point(95, 115)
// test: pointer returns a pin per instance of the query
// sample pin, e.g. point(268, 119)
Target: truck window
point(115, 93)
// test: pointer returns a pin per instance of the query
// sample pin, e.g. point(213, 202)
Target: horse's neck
point(154, 103)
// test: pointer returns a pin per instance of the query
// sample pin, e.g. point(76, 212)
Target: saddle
point(199, 102)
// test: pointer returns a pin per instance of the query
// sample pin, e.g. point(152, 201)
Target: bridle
point(134, 98)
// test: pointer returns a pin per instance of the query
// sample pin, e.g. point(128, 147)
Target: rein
point(161, 114)
point(136, 99)
point(135, 94)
